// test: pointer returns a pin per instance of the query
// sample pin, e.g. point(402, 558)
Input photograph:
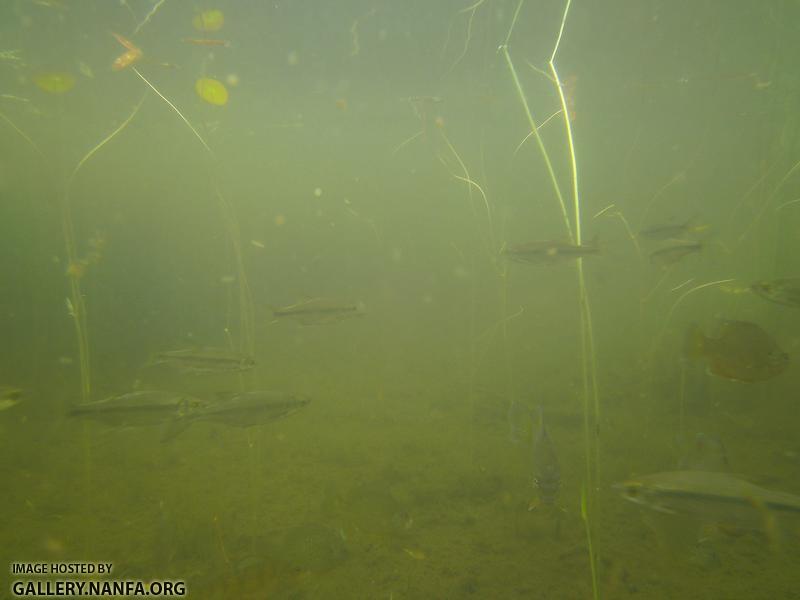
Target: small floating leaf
point(209, 20)
point(212, 91)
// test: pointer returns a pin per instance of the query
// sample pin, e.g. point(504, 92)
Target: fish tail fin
point(694, 342)
point(174, 428)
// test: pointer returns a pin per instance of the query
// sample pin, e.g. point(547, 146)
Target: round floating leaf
point(209, 20)
point(212, 91)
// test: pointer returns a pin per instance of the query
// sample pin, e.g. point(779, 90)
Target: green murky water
point(375, 152)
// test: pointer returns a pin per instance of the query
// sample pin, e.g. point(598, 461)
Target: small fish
point(546, 470)
point(9, 397)
point(670, 255)
point(716, 496)
point(207, 42)
point(781, 291)
point(550, 252)
point(665, 232)
point(151, 407)
point(742, 351)
point(318, 311)
point(205, 360)
point(243, 409)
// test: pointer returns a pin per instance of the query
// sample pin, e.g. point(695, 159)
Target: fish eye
point(632, 491)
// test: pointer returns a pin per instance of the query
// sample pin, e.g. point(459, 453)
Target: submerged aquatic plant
point(588, 360)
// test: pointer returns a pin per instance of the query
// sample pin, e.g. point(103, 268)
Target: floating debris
point(550, 252)
point(781, 291)
point(207, 42)
point(318, 311)
point(131, 56)
point(741, 352)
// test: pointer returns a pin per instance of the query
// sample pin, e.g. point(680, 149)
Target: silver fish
point(243, 409)
point(781, 291)
point(709, 495)
point(675, 231)
point(318, 311)
point(546, 470)
point(550, 252)
point(205, 360)
point(150, 407)
point(669, 255)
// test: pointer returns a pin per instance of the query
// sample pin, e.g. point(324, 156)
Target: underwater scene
point(400, 299)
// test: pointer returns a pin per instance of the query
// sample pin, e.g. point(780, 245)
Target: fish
point(139, 408)
point(205, 360)
point(742, 351)
point(546, 469)
point(674, 231)
point(669, 255)
point(9, 397)
point(239, 409)
point(781, 291)
point(207, 42)
point(707, 494)
point(550, 252)
point(318, 311)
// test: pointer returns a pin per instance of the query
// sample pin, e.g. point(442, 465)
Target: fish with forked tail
point(240, 409)
point(550, 252)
